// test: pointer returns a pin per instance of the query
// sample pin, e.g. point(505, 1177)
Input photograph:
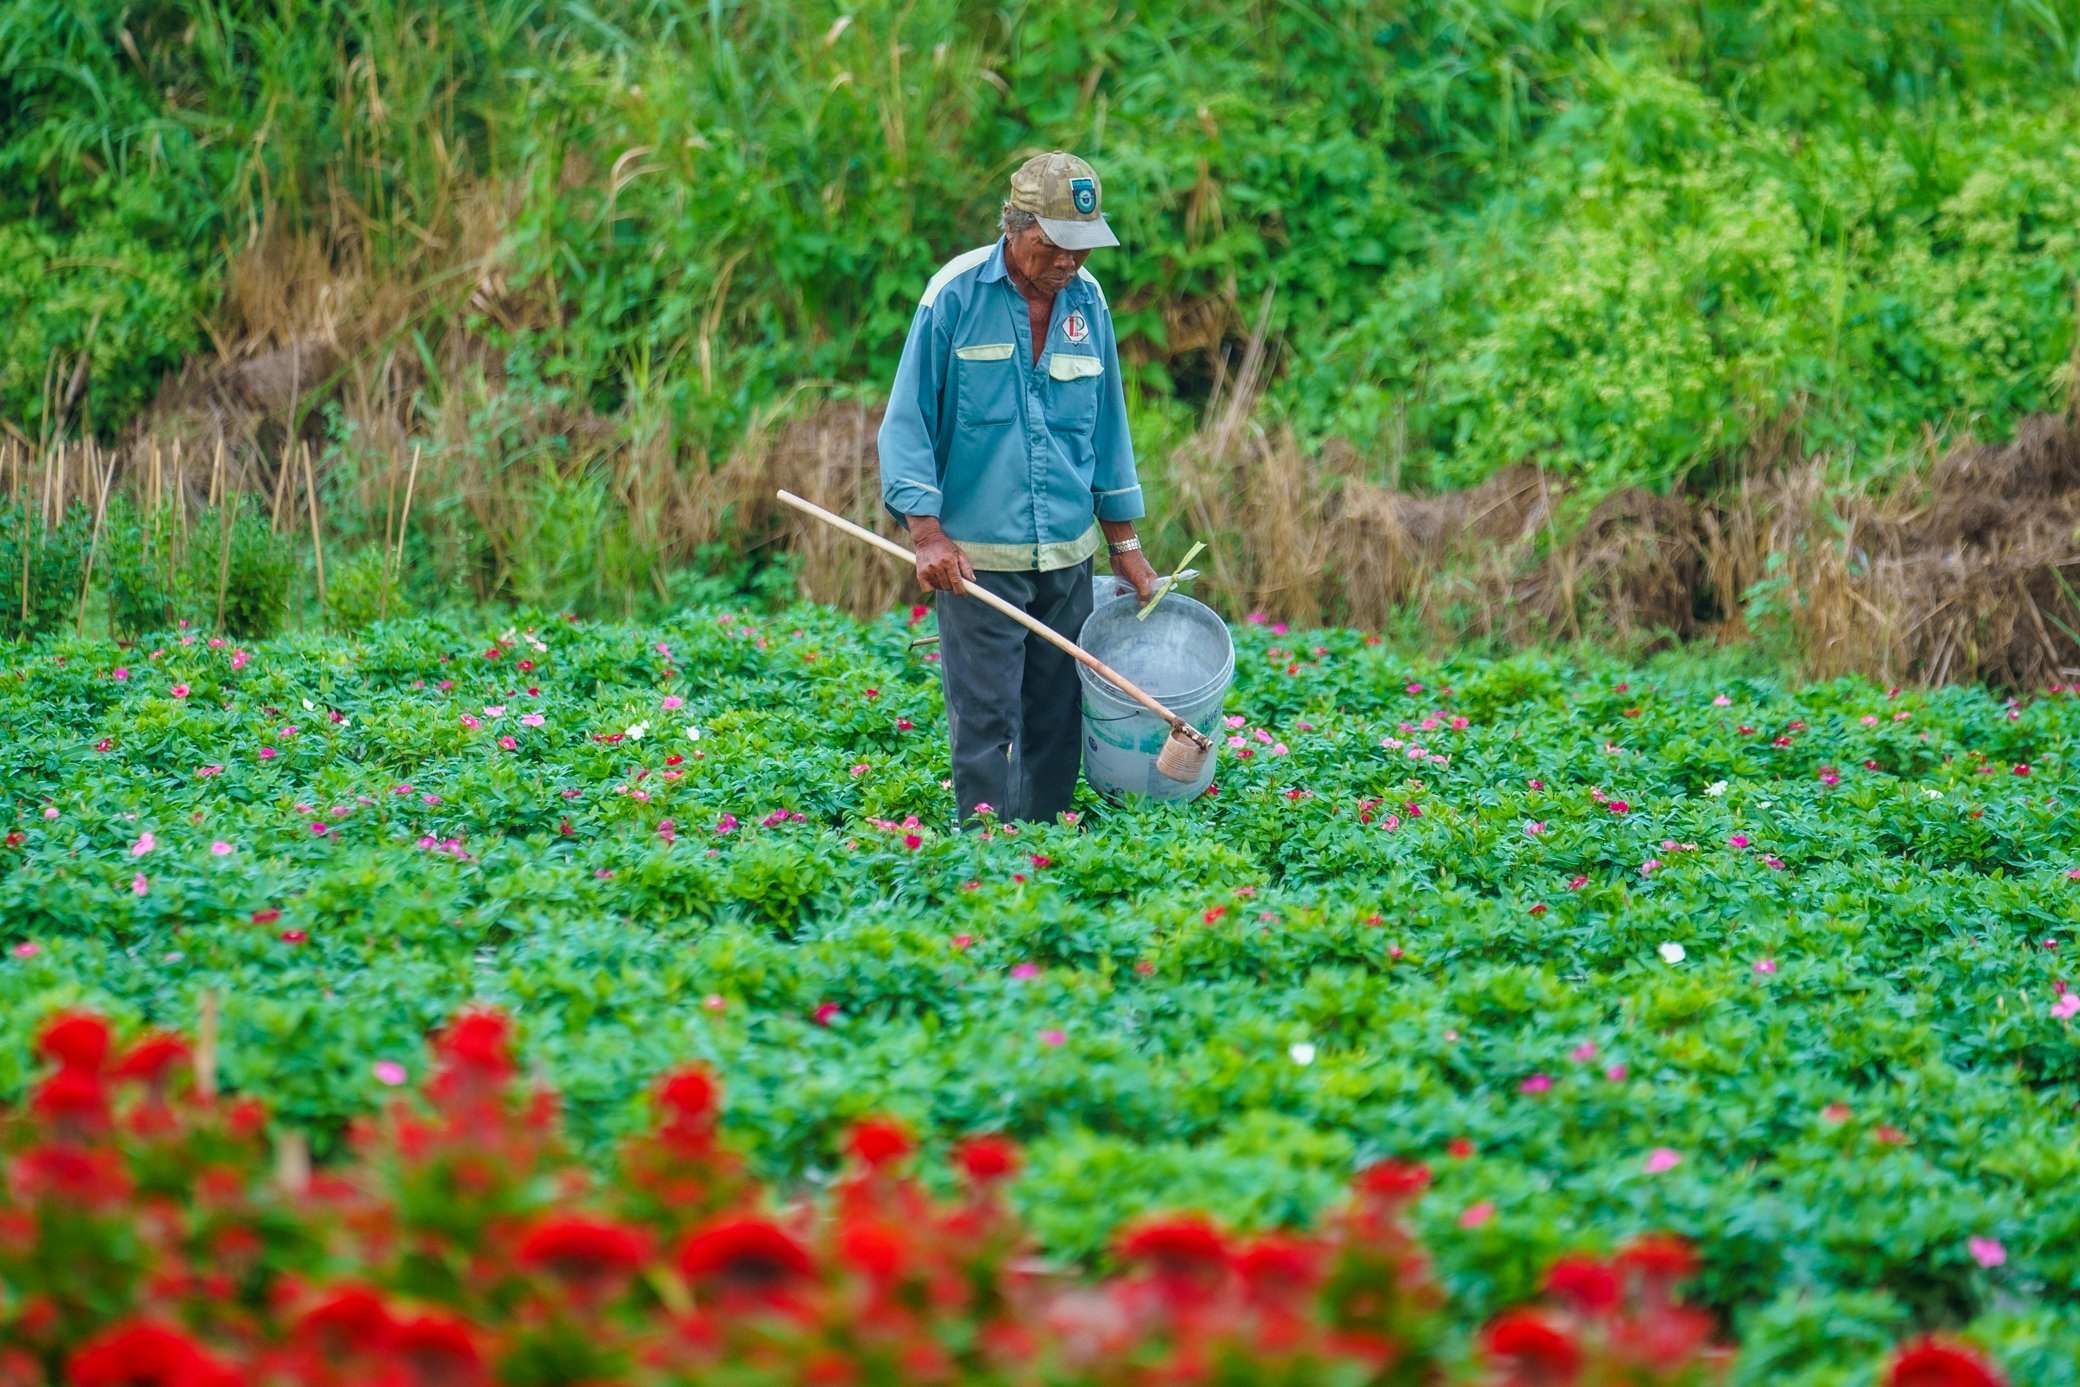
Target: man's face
point(1042, 263)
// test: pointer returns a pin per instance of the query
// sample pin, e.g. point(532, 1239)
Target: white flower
point(1716, 788)
point(1933, 794)
point(1673, 953)
point(1302, 1052)
point(309, 707)
point(693, 734)
point(636, 731)
point(1762, 804)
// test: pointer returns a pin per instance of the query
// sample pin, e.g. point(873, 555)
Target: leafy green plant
point(42, 568)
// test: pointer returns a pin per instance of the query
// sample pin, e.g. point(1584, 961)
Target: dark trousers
point(1014, 707)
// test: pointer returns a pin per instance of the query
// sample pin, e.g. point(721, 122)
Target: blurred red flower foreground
point(149, 1237)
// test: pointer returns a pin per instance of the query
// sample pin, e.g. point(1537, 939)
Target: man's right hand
point(940, 563)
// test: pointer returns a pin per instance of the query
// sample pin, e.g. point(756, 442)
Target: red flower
point(687, 1100)
point(1935, 1362)
point(751, 1258)
point(139, 1354)
point(93, 1179)
point(1585, 1284)
point(1659, 1260)
point(591, 1254)
point(988, 1159)
point(879, 1142)
point(1186, 1246)
point(73, 1100)
point(439, 1351)
point(347, 1321)
point(1279, 1267)
point(1532, 1350)
point(150, 1058)
point(76, 1040)
point(481, 1041)
point(1394, 1182)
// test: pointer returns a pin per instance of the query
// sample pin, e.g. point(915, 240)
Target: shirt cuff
point(1124, 504)
point(906, 497)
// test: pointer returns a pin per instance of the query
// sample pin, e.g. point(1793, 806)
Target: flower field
point(1615, 950)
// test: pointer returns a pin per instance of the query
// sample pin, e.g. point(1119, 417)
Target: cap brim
point(1070, 235)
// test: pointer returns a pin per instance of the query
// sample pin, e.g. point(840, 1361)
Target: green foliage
point(693, 839)
point(161, 571)
point(1631, 238)
point(42, 567)
point(362, 591)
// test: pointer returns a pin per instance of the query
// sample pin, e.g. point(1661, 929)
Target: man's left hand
point(1133, 567)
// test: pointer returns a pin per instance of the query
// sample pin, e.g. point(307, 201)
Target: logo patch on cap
point(1084, 193)
point(1076, 327)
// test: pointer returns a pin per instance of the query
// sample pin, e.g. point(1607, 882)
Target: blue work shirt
point(1019, 459)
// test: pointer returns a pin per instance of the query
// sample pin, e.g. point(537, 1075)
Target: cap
point(1063, 192)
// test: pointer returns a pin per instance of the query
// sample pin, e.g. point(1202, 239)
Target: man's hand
point(1133, 567)
point(940, 563)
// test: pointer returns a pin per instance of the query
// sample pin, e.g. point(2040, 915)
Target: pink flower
point(27, 949)
point(1738, 840)
point(1616, 1073)
point(1662, 1158)
point(1577, 883)
point(389, 1072)
point(860, 769)
point(1650, 866)
point(268, 753)
point(208, 770)
point(508, 744)
point(139, 886)
point(220, 848)
point(1053, 1038)
point(318, 828)
point(468, 721)
point(1024, 971)
point(494, 710)
point(1765, 965)
point(824, 1013)
point(531, 719)
point(1537, 1083)
point(1722, 701)
point(144, 844)
point(1477, 1214)
point(50, 811)
point(179, 690)
point(1534, 828)
point(1583, 1052)
point(1987, 1252)
point(1278, 749)
point(2066, 1006)
point(119, 674)
point(1618, 806)
point(726, 824)
point(673, 703)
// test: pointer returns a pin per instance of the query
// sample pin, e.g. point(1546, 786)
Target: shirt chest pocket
point(986, 383)
point(1072, 391)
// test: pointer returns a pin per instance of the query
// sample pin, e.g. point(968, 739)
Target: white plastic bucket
point(1183, 658)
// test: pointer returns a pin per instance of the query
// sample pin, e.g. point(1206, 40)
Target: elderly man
point(1005, 451)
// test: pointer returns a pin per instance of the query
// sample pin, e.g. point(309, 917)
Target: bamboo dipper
point(1184, 752)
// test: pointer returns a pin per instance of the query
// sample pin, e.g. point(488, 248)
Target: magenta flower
point(1477, 1214)
point(268, 753)
point(1987, 1252)
point(1053, 1038)
point(220, 848)
point(1537, 1083)
point(1024, 971)
point(1583, 1052)
point(119, 674)
point(139, 886)
point(1765, 965)
point(389, 1072)
point(1662, 1158)
point(179, 691)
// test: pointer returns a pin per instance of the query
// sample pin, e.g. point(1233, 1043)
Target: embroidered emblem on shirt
point(1076, 327)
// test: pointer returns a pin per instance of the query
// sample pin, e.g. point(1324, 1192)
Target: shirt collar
point(993, 268)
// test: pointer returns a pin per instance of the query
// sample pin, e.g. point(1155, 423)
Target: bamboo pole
point(224, 519)
point(86, 583)
point(397, 568)
point(310, 492)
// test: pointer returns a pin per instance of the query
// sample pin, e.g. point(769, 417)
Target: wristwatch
point(1125, 546)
